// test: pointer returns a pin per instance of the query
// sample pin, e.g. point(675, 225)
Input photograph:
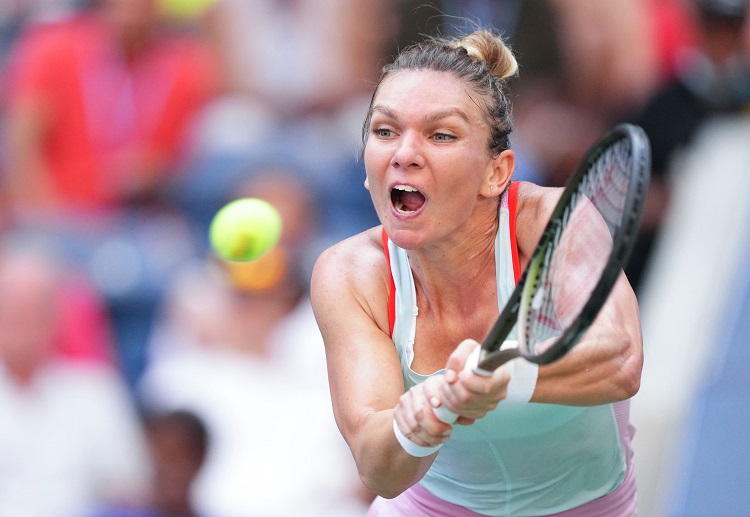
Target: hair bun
point(485, 46)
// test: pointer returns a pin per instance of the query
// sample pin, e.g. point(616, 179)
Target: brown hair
point(481, 58)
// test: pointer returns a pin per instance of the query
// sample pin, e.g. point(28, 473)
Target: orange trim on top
point(512, 207)
point(391, 286)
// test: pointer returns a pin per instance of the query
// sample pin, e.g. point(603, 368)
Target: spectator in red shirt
point(99, 104)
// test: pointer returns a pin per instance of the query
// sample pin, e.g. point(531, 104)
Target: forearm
point(605, 366)
point(384, 466)
point(600, 375)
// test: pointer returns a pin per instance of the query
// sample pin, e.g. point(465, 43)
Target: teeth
point(405, 188)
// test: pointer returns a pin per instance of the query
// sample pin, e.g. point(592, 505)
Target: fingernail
point(435, 402)
point(450, 375)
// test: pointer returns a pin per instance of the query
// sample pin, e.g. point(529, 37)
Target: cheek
point(372, 155)
point(376, 164)
point(464, 175)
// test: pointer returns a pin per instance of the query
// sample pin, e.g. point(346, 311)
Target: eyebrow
point(430, 117)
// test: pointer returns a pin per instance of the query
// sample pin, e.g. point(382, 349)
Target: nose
point(409, 153)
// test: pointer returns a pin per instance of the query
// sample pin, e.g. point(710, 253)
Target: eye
point(382, 132)
point(443, 137)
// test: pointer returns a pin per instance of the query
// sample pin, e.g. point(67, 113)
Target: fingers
point(415, 418)
point(470, 395)
point(458, 368)
point(457, 360)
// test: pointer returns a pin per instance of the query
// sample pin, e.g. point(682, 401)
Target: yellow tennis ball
point(245, 229)
point(185, 9)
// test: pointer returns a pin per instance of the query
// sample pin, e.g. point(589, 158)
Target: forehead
point(421, 92)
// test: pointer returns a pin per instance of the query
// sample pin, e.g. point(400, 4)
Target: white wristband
point(523, 376)
point(418, 451)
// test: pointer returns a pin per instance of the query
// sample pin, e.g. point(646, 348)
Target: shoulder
point(535, 200)
point(48, 37)
point(535, 205)
point(352, 255)
point(353, 273)
point(48, 49)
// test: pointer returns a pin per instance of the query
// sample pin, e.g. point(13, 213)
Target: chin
point(404, 238)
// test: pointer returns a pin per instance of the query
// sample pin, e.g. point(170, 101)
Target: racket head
point(582, 251)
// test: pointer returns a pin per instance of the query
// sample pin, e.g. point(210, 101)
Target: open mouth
point(406, 199)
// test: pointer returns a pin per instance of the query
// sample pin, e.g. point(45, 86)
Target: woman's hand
point(466, 393)
point(414, 415)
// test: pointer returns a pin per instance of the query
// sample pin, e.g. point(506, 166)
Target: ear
point(502, 166)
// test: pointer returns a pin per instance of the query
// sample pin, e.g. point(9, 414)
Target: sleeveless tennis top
point(521, 459)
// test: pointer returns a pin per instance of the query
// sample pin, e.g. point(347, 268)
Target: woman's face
point(427, 159)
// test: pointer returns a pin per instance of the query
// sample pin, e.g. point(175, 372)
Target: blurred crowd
point(140, 375)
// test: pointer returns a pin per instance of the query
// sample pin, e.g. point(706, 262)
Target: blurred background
point(142, 376)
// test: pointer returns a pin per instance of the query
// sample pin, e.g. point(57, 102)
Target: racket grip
point(472, 361)
point(445, 415)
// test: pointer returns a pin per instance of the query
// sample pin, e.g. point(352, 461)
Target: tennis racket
point(580, 255)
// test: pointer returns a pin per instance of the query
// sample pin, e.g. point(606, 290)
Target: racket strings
point(607, 187)
point(578, 249)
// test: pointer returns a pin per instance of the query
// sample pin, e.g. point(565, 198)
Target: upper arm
point(606, 365)
point(349, 293)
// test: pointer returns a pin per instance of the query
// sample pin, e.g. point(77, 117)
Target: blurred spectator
point(69, 435)
point(100, 108)
point(712, 80)
point(239, 346)
point(609, 63)
point(332, 44)
point(178, 442)
point(298, 78)
point(584, 65)
point(99, 104)
point(673, 29)
point(502, 15)
point(305, 66)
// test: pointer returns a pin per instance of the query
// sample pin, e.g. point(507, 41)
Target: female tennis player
point(402, 305)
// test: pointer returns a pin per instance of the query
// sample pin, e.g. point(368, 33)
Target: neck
point(455, 275)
